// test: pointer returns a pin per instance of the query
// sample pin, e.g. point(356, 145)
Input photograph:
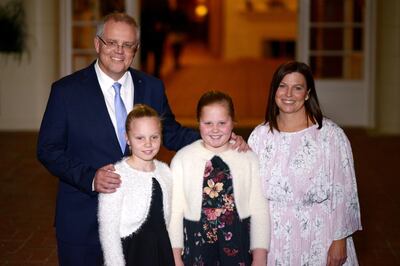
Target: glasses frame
point(130, 48)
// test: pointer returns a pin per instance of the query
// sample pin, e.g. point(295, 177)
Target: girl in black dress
point(132, 220)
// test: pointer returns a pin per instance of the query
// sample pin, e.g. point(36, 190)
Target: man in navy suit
point(78, 140)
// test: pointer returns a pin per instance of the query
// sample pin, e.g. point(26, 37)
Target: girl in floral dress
point(219, 215)
point(308, 175)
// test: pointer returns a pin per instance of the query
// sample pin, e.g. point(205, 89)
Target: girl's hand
point(178, 257)
point(259, 257)
point(337, 253)
point(179, 262)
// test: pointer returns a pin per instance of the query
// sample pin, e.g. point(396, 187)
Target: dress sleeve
point(252, 141)
point(177, 206)
point(109, 216)
point(345, 205)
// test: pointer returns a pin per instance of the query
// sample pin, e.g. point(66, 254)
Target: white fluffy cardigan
point(188, 167)
point(123, 212)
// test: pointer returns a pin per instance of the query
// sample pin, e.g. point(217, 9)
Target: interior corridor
point(28, 191)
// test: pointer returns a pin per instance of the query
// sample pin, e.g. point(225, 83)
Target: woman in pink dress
point(308, 175)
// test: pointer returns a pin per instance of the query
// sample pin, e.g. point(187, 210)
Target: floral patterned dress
point(220, 237)
point(308, 177)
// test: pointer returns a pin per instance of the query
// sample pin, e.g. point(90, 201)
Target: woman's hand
point(337, 253)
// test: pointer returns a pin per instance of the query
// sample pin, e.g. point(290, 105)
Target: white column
point(388, 67)
point(25, 82)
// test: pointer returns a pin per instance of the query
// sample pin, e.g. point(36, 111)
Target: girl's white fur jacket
point(123, 212)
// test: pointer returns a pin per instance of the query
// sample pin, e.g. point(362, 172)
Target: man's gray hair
point(118, 17)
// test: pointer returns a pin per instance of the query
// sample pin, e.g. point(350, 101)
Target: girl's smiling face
point(216, 126)
point(144, 137)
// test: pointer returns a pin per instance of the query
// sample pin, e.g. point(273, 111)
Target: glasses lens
point(127, 47)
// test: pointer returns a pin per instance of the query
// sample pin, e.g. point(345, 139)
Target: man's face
point(117, 51)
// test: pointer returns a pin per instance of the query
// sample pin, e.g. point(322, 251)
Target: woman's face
point(216, 126)
point(291, 94)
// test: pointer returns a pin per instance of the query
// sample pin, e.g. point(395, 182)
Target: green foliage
point(12, 28)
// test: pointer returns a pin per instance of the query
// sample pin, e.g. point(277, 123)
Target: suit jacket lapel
point(97, 100)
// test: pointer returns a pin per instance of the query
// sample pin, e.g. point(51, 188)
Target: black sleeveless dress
point(150, 245)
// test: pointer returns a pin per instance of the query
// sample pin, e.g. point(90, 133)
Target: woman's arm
point(345, 208)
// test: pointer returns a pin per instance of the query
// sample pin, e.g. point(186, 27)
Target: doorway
point(337, 39)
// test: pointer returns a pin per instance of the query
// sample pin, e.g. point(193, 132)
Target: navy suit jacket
point(77, 137)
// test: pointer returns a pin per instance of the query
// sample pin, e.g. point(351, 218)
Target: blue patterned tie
point(120, 114)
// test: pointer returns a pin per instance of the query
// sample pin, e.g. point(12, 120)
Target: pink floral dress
point(220, 237)
point(308, 178)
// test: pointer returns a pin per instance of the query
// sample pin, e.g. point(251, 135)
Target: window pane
point(92, 10)
point(108, 6)
point(357, 39)
point(327, 10)
point(358, 10)
point(326, 39)
point(354, 66)
point(347, 67)
point(84, 10)
point(83, 37)
point(327, 66)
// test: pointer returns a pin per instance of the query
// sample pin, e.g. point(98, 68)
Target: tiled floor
point(377, 160)
point(27, 196)
point(27, 190)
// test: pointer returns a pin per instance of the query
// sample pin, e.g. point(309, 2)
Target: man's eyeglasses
point(127, 47)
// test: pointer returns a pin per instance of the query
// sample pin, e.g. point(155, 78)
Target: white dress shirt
point(108, 91)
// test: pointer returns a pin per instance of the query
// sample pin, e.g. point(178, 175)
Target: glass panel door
point(336, 38)
point(336, 34)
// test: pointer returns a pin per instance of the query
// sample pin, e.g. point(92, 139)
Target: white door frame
point(347, 102)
